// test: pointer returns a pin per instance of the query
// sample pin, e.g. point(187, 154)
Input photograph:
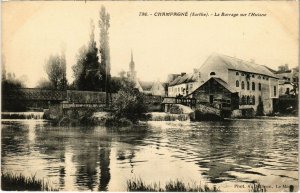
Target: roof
point(225, 85)
point(220, 81)
point(184, 79)
point(238, 64)
point(146, 85)
point(283, 71)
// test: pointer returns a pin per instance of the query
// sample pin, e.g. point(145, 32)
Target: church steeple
point(131, 65)
point(132, 72)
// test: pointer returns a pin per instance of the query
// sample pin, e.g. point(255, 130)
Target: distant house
point(183, 85)
point(158, 89)
point(288, 80)
point(146, 87)
point(286, 88)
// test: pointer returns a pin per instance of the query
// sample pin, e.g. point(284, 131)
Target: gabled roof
point(146, 86)
point(225, 85)
point(184, 79)
point(237, 64)
point(220, 81)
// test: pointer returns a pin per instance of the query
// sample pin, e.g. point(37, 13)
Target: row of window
point(252, 75)
point(247, 100)
point(237, 84)
point(180, 89)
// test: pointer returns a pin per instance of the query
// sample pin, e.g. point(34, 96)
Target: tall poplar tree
point(87, 72)
point(104, 49)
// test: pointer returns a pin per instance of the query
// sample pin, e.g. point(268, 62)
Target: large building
point(255, 84)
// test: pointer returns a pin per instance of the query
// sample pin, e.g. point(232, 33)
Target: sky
point(33, 30)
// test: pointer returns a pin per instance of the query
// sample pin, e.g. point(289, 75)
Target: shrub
point(130, 104)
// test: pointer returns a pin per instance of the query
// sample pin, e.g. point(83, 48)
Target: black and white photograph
point(150, 96)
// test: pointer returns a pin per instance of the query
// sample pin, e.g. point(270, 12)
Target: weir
point(22, 115)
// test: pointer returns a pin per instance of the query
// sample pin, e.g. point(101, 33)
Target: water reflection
point(102, 159)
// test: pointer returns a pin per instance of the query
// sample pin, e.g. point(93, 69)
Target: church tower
point(132, 73)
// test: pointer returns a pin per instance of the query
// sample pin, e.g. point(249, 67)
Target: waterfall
point(161, 116)
point(22, 115)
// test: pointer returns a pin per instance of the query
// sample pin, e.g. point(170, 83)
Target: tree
point(55, 70)
point(44, 84)
point(104, 48)
point(87, 72)
point(10, 86)
point(129, 102)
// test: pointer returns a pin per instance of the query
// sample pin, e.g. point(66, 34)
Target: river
point(228, 154)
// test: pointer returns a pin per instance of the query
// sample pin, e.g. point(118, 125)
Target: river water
point(228, 154)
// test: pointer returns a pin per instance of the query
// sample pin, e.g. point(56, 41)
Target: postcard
point(171, 96)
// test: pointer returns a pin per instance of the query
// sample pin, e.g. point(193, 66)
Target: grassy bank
point(14, 182)
point(137, 185)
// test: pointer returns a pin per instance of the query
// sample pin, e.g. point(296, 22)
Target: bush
point(130, 104)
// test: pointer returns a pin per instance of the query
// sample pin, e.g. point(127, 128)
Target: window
point(253, 86)
point(243, 85)
point(253, 76)
point(237, 83)
point(248, 86)
point(253, 100)
point(263, 77)
point(248, 100)
point(212, 73)
point(237, 73)
point(267, 78)
point(275, 91)
point(259, 77)
point(259, 86)
point(243, 74)
point(287, 91)
point(243, 100)
point(259, 99)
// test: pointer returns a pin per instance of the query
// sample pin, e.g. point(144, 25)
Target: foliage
point(88, 73)
point(171, 186)
point(13, 182)
point(260, 109)
point(10, 83)
point(44, 84)
point(55, 68)
point(129, 102)
point(104, 42)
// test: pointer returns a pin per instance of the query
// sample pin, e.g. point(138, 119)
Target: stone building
point(216, 93)
point(255, 84)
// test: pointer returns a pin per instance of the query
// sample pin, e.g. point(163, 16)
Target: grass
point(137, 185)
point(14, 182)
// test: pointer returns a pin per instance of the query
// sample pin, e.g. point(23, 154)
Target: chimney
point(183, 73)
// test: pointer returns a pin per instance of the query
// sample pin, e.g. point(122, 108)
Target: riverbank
point(18, 182)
